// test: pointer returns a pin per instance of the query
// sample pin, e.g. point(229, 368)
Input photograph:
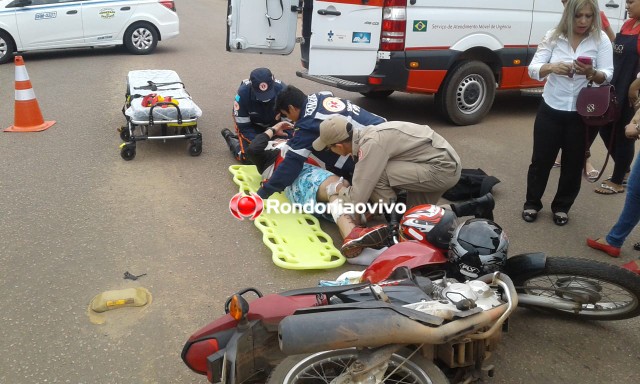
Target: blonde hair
point(567, 21)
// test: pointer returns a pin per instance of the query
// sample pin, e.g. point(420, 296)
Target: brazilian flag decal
point(419, 25)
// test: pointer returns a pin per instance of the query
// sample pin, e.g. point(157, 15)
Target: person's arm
point(610, 34)
point(371, 163)
point(604, 72)
point(606, 26)
point(284, 175)
point(296, 154)
point(540, 67)
point(632, 130)
point(256, 152)
point(241, 115)
point(634, 93)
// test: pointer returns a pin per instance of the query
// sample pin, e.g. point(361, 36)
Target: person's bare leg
point(355, 237)
point(346, 222)
point(345, 225)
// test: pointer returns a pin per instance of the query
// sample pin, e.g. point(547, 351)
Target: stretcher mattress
point(162, 82)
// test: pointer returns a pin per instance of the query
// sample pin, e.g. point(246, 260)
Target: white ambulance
point(459, 50)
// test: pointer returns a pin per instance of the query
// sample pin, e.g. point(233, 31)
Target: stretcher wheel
point(195, 148)
point(128, 152)
point(125, 135)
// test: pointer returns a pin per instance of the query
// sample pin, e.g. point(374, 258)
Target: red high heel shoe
point(633, 266)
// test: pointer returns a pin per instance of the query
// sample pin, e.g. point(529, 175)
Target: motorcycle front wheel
point(323, 367)
point(614, 292)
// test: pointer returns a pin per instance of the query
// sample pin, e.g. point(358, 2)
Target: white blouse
point(560, 92)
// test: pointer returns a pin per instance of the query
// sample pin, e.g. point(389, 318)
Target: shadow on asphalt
point(402, 106)
point(65, 53)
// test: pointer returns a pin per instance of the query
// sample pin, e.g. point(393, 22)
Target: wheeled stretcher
point(158, 107)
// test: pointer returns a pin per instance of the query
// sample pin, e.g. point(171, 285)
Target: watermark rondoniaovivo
point(251, 206)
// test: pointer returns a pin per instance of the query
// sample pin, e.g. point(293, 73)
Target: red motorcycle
point(429, 309)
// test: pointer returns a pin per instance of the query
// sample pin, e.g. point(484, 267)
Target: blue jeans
point(630, 215)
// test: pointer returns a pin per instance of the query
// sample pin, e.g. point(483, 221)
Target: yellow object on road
point(295, 239)
point(129, 297)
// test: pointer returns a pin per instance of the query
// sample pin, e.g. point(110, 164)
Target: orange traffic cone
point(28, 117)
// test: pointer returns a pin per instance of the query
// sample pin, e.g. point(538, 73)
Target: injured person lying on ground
point(315, 185)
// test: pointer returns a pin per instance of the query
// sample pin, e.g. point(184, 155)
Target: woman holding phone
point(557, 125)
point(625, 63)
point(590, 171)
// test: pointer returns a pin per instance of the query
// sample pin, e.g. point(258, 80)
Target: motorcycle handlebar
point(315, 332)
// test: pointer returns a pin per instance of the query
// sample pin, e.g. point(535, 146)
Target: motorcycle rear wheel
point(618, 289)
point(323, 367)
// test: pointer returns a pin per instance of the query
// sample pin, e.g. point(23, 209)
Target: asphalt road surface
point(74, 217)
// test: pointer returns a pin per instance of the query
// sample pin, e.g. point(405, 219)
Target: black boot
point(481, 207)
point(233, 142)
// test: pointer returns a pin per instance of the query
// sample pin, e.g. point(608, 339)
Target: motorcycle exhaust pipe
point(315, 332)
point(548, 302)
point(322, 331)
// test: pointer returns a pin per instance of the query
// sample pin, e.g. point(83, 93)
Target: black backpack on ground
point(472, 183)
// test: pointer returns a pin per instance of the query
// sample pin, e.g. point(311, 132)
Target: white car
point(29, 25)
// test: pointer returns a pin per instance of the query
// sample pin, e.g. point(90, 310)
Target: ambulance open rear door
point(266, 26)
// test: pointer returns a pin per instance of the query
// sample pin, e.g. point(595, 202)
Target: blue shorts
point(305, 187)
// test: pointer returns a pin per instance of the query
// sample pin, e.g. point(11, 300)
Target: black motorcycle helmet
point(478, 247)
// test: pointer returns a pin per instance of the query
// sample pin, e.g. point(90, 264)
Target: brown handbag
point(598, 106)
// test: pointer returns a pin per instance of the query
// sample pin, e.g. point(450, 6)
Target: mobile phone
point(585, 60)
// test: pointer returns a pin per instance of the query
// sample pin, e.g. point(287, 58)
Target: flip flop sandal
point(593, 174)
point(606, 189)
point(624, 181)
point(560, 218)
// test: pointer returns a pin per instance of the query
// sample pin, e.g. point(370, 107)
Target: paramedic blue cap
point(262, 84)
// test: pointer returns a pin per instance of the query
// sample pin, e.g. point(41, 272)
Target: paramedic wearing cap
point(390, 157)
point(253, 110)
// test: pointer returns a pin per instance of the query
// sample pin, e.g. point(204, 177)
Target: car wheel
point(7, 48)
point(141, 38)
point(467, 93)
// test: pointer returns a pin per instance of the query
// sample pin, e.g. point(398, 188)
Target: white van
point(459, 50)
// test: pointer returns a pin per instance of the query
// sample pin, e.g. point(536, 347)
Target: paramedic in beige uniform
point(390, 157)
